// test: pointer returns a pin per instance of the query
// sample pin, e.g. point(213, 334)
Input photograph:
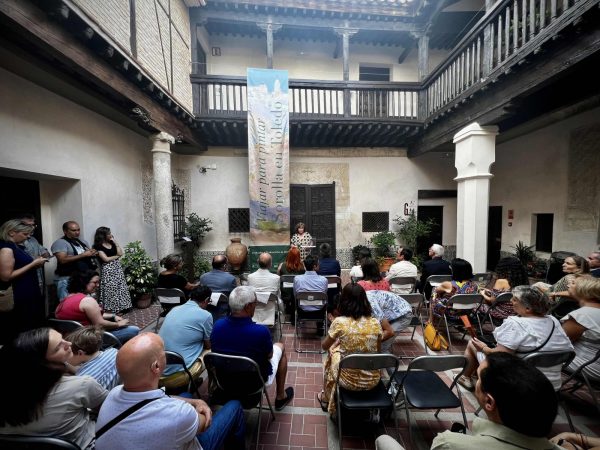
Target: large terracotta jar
point(236, 253)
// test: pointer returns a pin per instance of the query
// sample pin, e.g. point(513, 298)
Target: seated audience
point(393, 312)
point(327, 264)
point(372, 279)
point(170, 278)
point(310, 281)
point(356, 271)
point(88, 358)
point(437, 265)
point(573, 267)
point(263, 280)
point(355, 330)
point(403, 268)
point(238, 335)
point(218, 279)
point(187, 328)
point(530, 331)
point(79, 305)
point(37, 398)
point(583, 325)
point(165, 421)
point(462, 283)
point(508, 274)
point(594, 262)
point(292, 265)
point(519, 403)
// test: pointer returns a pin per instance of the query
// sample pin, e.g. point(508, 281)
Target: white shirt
point(264, 281)
point(588, 344)
point(402, 269)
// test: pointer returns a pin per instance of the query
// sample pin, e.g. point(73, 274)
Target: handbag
point(7, 299)
point(433, 339)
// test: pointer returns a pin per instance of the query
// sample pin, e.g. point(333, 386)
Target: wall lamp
point(203, 169)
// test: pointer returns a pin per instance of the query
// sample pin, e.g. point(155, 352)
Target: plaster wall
point(307, 60)
point(531, 176)
point(89, 168)
point(367, 180)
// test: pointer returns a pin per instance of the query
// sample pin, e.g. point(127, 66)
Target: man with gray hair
point(594, 260)
point(435, 266)
point(238, 335)
point(263, 280)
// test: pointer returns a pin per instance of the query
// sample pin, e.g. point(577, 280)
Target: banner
point(268, 156)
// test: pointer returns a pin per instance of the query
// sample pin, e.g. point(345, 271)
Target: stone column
point(423, 53)
point(163, 204)
point(475, 153)
point(269, 28)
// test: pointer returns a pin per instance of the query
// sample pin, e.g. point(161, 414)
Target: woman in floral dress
point(303, 240)
point(355, 330)
point(461, 283)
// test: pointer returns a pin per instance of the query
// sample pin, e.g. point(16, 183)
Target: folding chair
point(423, 388)
point(267, 311)
point(237, 378)
point(168, 299)
point(64, 327)
point(551, 359)
point(482, 279)
point(110, 340)
point(22, 442)
point(286, 288)
point(467, 304)
point(218, 306)
point(334, 287)
point(579, 378)
point(376, 398)
point(434, 281)
point(176, 382)
point(416, 302)
point(311, 299)
point(501, 299)
point(403, 283)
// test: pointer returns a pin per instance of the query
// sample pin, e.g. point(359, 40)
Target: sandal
point(324, 404)
point(289, 395)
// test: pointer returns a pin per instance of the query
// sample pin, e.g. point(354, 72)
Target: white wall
point(90, 169)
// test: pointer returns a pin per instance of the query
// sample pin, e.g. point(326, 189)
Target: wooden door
point(494, 242)
point(314, 205)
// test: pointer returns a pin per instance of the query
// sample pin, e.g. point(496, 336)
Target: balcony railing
point(226, 96)
point(509, 33)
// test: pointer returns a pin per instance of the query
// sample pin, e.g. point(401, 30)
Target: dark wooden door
point(314, 205)
point(425, 213)
point(494, 236)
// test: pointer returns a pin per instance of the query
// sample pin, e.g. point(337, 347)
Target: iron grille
point(376, 221)
point(239, 220)
point(178, 198)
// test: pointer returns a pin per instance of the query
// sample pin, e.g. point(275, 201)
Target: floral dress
point(302, 241)
point(440, 300)
point(353, 336)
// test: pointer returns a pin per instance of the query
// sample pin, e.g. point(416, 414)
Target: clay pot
point(143, 301)
point(236, 253)
point(385, 264)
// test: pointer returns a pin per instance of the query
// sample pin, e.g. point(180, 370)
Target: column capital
point(418, 34)
point(345, 31)
point(162, 137)
point(269, 26)
point(474, 129)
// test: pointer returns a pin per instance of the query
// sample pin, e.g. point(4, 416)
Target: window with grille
point(376, 221)
point(239, 220)
point(178, 198)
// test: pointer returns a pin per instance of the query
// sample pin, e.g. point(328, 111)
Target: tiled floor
point(303, 425)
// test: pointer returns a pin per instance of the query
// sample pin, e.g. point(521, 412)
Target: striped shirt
point(102, 368)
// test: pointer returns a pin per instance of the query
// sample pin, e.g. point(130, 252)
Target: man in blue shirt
point(187, 328)
point(219, 281)
point(238, 335)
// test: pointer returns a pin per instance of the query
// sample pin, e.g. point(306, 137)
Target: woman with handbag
point(19, 270)
point(530, 331)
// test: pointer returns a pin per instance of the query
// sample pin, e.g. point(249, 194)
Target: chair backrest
point(484, 277)
point(21, 442)
point(266, 309)
point(369, 361)
point(110, 340)
point(64, 327)
point(287, 281)
point(465, 301)
point(414, 300)
point(438, 363)
point(176, 358)
point(318, 299)
point(170, 297)
point(218, 297)
point(550, 359)
point(238, 377)
point(436, 280)
point(504, 297)
point(333, 281)
point(403, 282)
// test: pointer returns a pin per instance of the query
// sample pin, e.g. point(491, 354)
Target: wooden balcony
point(510, 68)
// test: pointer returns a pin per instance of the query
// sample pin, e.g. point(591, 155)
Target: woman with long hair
point(372, 279)
point(461, 283)
point(355, 330)
point(79, 305)
point(508, 274)
point(114, 293)
point(19, 270)
point(573, 267)
point(292, 265)
point(170, 277)
point(37, 397)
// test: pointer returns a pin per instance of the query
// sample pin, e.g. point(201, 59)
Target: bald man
point(219, 281)
point(263, 280)
point(161, 421)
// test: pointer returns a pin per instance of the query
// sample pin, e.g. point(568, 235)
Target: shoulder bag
point(129, 411)
point(433, 339)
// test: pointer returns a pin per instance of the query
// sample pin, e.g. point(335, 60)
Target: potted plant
point(410, 229)
point(384, 243)
point(356, 251)
point(140, 273)
point(524, 253)
point(195, 228)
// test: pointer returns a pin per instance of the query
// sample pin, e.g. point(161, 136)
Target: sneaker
point(466, 382)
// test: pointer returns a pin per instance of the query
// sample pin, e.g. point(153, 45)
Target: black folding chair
point(309, 299)
point(173, 385)
point(376, 398)
point(580, 378)
point(64, 327)
point(422, 388)
point(22, 442)
point(237, 378)
point(110, 340)
point(168, 299)
point(416, 302)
